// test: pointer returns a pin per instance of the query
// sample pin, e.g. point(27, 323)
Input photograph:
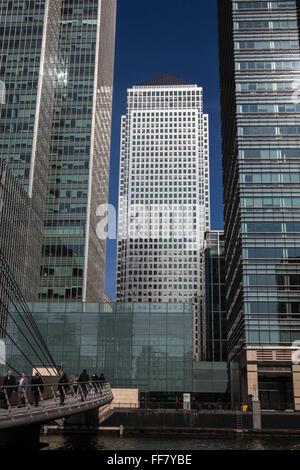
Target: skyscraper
point(163, 192)
point(28, 74)
point(73, 265)
point(56, 76)
point(260, 77)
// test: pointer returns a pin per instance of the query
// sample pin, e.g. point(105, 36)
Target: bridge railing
point(59, 394)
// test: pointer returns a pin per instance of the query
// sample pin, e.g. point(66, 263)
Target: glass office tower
point(73, 266)
point(210, 343)
point(163, 193)
point(260, 84)
point(28, 73)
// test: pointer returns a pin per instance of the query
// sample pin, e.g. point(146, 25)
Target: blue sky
point(178, 37)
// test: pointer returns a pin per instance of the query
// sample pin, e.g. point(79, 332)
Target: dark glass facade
point(14, 224)
point(73, 265)
point(213, 300)
point(144, 346)
point(260, 73)
point(28, 69)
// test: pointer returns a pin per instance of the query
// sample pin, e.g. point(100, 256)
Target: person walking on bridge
point(83, 383)
point(37, 388)
point(95, 381)
point(63, 388)
point(102, 380)
point(9, 382)
point(22, 385)
point(74, 384)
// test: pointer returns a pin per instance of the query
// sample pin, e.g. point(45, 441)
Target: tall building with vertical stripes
point(260, 91)
point(56, 79)
point(29, 34)
point(164, 192)
point(73, 264)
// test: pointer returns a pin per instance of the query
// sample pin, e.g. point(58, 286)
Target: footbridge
point(52, 402)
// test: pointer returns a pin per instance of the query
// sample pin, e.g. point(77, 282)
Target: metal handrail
point(90, 383)
point(72, 393)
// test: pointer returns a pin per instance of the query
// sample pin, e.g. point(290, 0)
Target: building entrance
point(276, 393)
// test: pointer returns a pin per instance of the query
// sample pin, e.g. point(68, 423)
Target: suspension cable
point(27, 312)
point(7, 276)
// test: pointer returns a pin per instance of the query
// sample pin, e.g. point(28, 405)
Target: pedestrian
point(10, 383)
point(95, 381)
point(75, 384)
point(177, 402)
point(37, 388)
point(63, 388)
point(83, 382)
point(22, 385)
point(102, 380)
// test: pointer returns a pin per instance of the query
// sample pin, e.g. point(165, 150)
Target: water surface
point(115, 442)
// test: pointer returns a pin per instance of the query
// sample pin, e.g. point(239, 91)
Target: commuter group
point(80, 385)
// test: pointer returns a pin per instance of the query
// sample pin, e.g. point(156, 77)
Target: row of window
point(265, 86)
point(287, 44)
point(61, 293)
point(278, 337)
point(254, 25)
point(162, 116)
point(272, 307)
point(269, 108)
point(270, 227)
point(268, 130)
point(68, 251)
point(280, 154)
point(288, 253)
point(270, 177)
point(272, 279)
point(61, 271)
point(262, 5)
point(270, 202)
point(139, 93)
point(261, 65)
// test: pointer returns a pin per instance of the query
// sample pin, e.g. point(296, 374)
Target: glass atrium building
point(260, 77)
point(137, 345)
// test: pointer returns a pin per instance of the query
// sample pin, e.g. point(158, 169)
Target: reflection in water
point(107, 442)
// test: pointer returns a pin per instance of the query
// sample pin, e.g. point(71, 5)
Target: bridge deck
point(51, 409)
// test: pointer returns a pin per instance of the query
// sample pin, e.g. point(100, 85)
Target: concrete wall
point(164, 419)
point(126, 397)
point(143, 419)
point(296, 382)
point(123, 398)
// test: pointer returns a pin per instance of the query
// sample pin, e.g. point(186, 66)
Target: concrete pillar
point(25, 438)
point(252, 378)
point(86, 421)
point(256, 413)
point(296, 383)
